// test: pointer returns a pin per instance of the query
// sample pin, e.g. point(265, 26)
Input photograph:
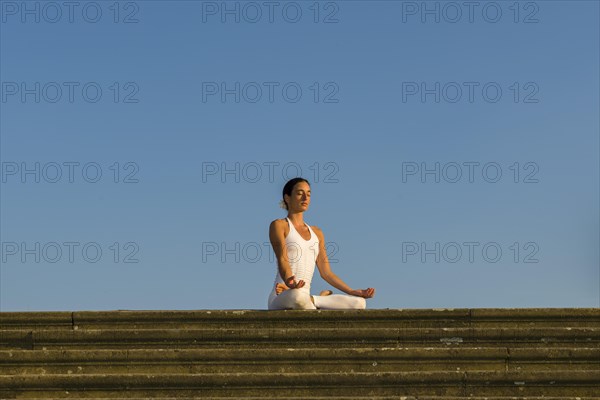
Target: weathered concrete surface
point(429, 354)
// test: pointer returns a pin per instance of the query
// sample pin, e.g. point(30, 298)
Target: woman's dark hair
point(289, 186)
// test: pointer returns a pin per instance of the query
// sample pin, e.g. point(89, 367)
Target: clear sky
point(452, 150)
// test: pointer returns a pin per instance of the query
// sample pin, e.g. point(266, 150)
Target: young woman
point(297, 248)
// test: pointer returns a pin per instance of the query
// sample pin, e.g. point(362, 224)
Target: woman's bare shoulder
point(279, 227)
point(278, 223)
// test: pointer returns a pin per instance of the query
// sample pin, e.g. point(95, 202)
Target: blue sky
point(163, 133)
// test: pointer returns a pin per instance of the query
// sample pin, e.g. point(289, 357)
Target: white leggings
point(299, 299)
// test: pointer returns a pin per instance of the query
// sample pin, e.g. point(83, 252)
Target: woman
point(297, 248)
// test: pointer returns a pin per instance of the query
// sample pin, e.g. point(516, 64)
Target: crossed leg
point(340, 302)
point(298, 299)
point(280, 287)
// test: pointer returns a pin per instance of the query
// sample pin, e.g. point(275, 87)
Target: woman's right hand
point(292, 284)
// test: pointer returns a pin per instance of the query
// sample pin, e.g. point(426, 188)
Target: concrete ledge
point(415, 354)
point(81, 318)
point(296, 354)
point(91, 381)
point(301, 360)
point(425, 397)
point(557, 383)
point(36, 318)
point(306, 335)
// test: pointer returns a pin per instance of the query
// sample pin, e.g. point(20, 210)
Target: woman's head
point(296, 194)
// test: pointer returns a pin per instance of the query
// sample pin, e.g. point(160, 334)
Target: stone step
point(480, 383)
point(15, 362)
point(383, 318)
point(425, 397)
point(435, 354)
point(39, 338)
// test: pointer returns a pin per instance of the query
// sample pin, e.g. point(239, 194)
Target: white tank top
point(302, 255)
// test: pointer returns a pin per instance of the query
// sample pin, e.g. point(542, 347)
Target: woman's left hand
point(366, 293)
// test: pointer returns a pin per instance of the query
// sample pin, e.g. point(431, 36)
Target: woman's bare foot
point(280, 287)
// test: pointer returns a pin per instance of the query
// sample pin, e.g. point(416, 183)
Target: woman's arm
point(331, 278)
point(277, 237)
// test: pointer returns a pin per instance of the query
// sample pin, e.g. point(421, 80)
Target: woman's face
point(300, 198)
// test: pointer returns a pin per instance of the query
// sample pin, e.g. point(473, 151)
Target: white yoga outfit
point(302, 255)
